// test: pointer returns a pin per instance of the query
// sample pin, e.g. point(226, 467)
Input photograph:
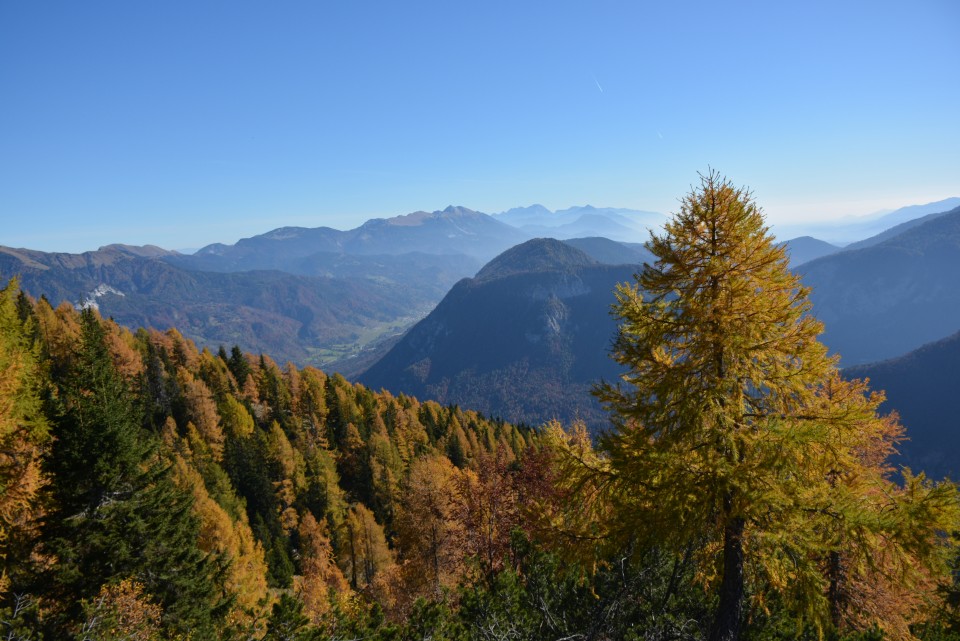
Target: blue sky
point(185, 123)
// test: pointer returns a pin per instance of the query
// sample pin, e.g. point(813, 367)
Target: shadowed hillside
point(525, 340)
point(883, 301)
point(923, 386)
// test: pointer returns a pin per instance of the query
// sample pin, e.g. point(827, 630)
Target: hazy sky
point(185, 123)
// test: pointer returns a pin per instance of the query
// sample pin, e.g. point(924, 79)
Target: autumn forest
point(151, 490)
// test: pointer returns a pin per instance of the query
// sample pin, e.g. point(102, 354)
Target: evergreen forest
point(150, 490)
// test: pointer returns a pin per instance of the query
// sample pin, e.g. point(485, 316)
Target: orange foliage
point(120, 343)
point(121, 612)
point(321, 584)
point(491, 508)
point(430, 534)
point(202, 411)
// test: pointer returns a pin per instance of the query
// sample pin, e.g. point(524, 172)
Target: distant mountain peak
point(284, 233)
point(536, 209)
point(806, 248)
point(145, 251)
point(404, 220)
point(214, 249)
point(460, 210)
point(537, 255)
point(422, 217)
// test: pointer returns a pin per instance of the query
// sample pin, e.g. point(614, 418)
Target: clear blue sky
point(184, 123)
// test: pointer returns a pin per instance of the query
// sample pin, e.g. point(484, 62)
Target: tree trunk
point(836, 591)
point(726, 622)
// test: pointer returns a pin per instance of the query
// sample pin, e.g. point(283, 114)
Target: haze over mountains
point(806, 248)
point(310, 295)
point(854, 228)
point(626, 225)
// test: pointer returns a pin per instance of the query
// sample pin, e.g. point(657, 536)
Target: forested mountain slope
point(526, 339)
point(294, 318)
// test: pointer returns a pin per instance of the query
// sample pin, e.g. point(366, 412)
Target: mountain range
point(850, 229)
point(363, 285)
point(525, 338)
point(626, 225)
point(454, 230)
point(304, 319)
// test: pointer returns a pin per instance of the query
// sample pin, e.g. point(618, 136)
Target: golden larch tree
point(727, 439)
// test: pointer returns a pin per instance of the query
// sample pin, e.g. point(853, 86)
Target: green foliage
point(634, 595)
point(20, 620)
point(99, 448)
point(239, 366)
point(288, 623)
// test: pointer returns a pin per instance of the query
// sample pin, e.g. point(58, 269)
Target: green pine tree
point(118, 514)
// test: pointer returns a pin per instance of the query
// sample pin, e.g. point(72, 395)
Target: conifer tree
point(727, 438)
point(24, 432)
point(238, 365)
point(430, 530)
point(118, 515)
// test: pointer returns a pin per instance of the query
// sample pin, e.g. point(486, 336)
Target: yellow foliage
point(23, 428)
point(736, 437)
point(430, 528)
point(202, 411)
point(246, 575)
point(366, 559)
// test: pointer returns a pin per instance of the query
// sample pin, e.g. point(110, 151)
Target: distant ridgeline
point(307, 295)
point(891, 294)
